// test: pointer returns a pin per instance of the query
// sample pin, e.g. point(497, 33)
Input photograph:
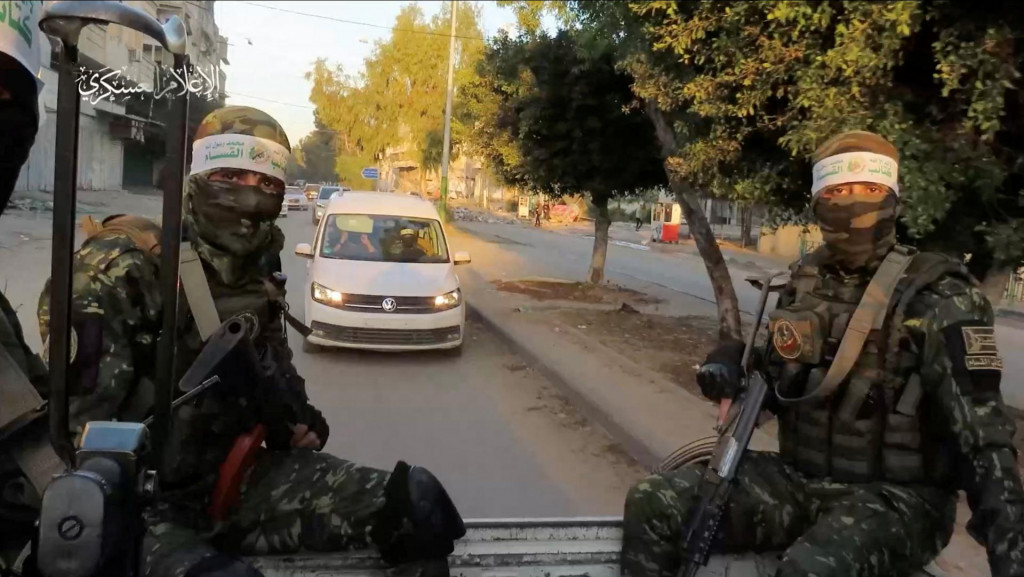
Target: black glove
point(318, 424)
point(721, 375)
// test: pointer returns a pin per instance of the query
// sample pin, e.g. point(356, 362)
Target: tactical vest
point(871, 428)
point(205, 430)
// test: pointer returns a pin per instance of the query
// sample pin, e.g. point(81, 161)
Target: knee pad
point(418, 520)
point(220, 565)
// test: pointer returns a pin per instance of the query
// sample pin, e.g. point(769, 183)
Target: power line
point(239, 94)
point(342, 20)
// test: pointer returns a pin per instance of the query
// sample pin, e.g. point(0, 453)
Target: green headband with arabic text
point(242, 151)
point(861, 166)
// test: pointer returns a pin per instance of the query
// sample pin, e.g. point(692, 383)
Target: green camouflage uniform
point(19, 502)
point(292, 499)
point(19, 119)
point(874, 494)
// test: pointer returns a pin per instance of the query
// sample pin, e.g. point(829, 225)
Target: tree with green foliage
point(575, 123)
point(399, 98)
point(770, 81)
point(613, 27)
point(313, 158)
point(741, 93)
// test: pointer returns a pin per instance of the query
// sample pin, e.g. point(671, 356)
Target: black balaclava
point(859, 230)
point(19, 119)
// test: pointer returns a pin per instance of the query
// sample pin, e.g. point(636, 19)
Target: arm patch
point(972, 350)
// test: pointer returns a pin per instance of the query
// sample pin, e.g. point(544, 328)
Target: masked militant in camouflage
point(294, 497)
point(870, 455)
point(19, 117)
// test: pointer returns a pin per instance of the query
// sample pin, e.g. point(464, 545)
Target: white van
point(381, 276)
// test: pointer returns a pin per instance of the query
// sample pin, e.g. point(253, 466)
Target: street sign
point(371, 172)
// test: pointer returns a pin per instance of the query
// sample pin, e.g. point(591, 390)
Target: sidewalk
point(639, 407)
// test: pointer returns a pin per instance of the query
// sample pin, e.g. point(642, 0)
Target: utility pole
point(446, 154)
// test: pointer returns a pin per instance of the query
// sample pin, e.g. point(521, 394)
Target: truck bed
point(568, 547)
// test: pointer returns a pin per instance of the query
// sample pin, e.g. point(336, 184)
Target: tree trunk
point(721, 282)
point(994, 285)
point(601, 224)
point(746, 223)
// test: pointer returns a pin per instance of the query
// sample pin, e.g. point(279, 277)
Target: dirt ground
point(575, 291)
point(673, 346)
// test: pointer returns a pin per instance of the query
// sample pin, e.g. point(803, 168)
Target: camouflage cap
point(855, 141)
point(240, 137)
point(243, 120)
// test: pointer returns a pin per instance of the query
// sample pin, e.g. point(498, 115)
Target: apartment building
point(121, 140)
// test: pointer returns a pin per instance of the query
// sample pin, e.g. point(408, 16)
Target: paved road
point(493, 430)
point(513, 251)
point(496, 433)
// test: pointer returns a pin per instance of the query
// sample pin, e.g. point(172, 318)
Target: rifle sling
point(870, 315)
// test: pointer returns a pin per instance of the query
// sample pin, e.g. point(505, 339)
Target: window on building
point(133, 55)
point(147, 51)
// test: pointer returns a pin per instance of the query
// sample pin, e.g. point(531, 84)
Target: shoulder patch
point(984, 362)
point(980, 340)
point(74, 348)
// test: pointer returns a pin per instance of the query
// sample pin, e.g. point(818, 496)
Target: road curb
point(1010, 313)
point(634, 446)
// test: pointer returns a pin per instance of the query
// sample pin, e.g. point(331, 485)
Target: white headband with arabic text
point(855, 167)
point(241, 151)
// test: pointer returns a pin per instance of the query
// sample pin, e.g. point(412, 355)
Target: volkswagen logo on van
point(389, 305)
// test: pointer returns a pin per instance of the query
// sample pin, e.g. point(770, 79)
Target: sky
point(270, 50)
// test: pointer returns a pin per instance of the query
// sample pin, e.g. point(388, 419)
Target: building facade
point(121, 140)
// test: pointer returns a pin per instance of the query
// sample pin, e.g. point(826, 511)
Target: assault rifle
point(735, 433)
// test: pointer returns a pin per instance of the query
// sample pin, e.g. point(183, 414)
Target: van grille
point(372, 304)
point(403, 337)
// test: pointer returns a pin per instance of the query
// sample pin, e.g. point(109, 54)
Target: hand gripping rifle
point(734, 438)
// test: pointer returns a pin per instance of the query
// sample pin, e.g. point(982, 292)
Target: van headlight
point(448, 300)
point(324, 295)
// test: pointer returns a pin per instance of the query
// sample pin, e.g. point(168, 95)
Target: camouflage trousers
point(292, 501)
point(824, 529)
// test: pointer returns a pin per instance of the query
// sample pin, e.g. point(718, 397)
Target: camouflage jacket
point(116, 310)
point(18, 500)
point(946, 334)
point(950, 324)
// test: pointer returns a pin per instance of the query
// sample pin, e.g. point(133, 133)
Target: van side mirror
point(304, 250)
point(462, 258)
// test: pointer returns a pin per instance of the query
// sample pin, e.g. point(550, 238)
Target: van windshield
point(381, 238)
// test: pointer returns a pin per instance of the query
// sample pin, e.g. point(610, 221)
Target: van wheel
point(454, 353)
point(311, 348)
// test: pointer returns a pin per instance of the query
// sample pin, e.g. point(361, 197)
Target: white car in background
point(381, 277)
point(295, 199)
point(324, 195)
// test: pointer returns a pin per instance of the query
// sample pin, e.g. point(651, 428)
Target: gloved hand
point(721, 376)
point(317, 424)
